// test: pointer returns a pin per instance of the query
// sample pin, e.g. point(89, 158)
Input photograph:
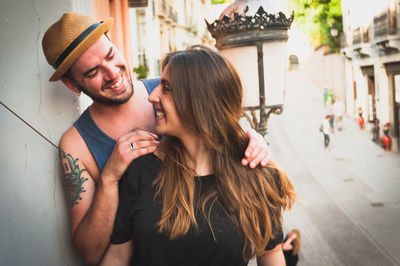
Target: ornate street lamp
point(255, 42)
point(334, 31)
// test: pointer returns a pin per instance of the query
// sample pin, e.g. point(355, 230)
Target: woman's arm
point(273, 257)
point(118, 255)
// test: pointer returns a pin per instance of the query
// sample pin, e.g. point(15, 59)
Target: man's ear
point(70, 84)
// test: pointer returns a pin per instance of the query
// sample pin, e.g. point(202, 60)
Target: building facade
point(34, 113)
point(371, 45)
point(164, 26)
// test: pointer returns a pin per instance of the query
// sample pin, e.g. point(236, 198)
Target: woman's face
point(167, 119)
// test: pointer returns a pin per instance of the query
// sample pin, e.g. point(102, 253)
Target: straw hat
point(67, 39)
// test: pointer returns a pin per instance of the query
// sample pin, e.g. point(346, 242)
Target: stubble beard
point(116, 100)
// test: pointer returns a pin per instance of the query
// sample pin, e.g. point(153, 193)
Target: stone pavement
point(349, 212)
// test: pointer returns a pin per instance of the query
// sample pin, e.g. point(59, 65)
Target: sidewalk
point(351, 202)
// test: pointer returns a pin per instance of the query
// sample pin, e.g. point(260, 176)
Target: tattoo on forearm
point(73, 178)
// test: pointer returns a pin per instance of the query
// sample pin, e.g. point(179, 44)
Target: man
point(97, 149)
point(338, 112)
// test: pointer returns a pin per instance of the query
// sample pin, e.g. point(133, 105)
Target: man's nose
point(112, 72)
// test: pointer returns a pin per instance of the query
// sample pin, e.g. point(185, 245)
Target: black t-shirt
point(291, 260)
point(138, 214)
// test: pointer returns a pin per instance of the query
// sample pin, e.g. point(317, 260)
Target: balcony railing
point(381, 35)
point(385, 24)
point(357, 36)
point(361, 35)
point(365, 34)
point(166, 11)
point(138, 3)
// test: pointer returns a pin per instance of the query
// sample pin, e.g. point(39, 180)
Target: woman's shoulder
point(145, 161)
point(142, 170)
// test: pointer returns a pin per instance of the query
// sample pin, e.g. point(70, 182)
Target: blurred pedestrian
point(338, 112)
point(360, 118)
point(291, 247)
point(325, 94)
point(375, 135)
point(386, 140)
point(329, 112)
point(326, 130)
point(328, 96)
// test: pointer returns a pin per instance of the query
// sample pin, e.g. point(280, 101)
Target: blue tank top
point(98, 142)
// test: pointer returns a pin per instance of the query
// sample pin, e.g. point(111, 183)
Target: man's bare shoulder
point(144, 118)
point(140, 88)
point(70, 134)
point(72, 144)
point(71, 141)
point(138, 83)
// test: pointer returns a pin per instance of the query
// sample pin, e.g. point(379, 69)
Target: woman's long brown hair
point(207, 94)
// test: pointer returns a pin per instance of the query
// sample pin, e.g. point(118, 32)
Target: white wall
point(350, 103)
point(326, 71)
point(34, 225)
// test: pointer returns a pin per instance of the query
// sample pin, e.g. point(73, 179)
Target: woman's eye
point(166, 89)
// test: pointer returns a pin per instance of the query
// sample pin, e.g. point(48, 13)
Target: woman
point(291, 247)
point(192, 203)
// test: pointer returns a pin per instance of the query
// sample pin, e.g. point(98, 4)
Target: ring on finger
point(132, 146)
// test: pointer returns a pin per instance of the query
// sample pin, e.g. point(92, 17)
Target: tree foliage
point(217, 2)
point(316, 17)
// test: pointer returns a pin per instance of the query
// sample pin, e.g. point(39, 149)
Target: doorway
point(396, 107)
point(371, 99)
point(393, 72)
point(368, 72)
point(293, 62)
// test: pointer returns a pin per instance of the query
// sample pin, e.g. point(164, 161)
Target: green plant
point(316, 17)
point(217, 2)
point(141, 71)
point(192, 27)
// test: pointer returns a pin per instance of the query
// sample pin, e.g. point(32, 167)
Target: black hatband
point(74, 44)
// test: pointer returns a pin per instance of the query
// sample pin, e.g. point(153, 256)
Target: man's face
point(102, 73)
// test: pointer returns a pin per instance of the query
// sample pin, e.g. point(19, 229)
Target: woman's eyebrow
point(164, 81)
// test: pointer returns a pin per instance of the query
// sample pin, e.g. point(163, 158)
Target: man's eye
point(111, 56)
point(92, 74)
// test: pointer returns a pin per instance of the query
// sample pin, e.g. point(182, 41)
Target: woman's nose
point(154, 96)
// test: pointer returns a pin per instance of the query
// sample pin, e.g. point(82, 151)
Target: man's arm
point(273, 257)
point(118, 254)
point(256, 152)
point(93, 206)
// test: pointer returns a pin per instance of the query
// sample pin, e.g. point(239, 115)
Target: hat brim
point(81, 48)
